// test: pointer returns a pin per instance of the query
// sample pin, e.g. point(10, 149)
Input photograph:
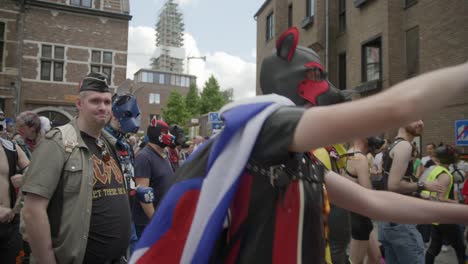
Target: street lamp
point(191, 58)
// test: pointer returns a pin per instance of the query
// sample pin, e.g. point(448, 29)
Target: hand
point(17, 180)
point(6, 215)
point(433, 187)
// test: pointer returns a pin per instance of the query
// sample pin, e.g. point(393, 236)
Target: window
point(101, 62)
point(342, 16)
point(310, 8)
point(2, 43)
point(412, 51)
point(342, 71)
point(372, 60)
point(82, 3)
point(270, 30)
point(290, 16)
point(154, 98)
point(52, 60)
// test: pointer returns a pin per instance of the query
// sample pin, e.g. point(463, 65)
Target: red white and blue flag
point(190, 217)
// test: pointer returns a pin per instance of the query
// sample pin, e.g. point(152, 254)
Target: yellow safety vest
point(433, 175)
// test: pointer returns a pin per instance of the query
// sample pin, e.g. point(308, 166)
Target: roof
point(261, 8)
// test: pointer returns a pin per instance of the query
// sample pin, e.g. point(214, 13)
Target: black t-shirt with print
point(109, 231)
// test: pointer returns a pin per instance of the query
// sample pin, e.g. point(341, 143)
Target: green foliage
point(211, 98)
point(192, 101)
point(175, 111)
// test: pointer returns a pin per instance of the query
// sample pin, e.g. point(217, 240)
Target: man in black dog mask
point(152, 169)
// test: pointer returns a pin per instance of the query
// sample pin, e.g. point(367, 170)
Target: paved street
point(446, 257)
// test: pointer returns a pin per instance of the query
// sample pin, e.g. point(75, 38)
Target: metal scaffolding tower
point(169, 39)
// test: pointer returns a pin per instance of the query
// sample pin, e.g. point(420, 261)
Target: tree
point(192, 101)
point(175, 111)
point(228, 94)
point(211, 98)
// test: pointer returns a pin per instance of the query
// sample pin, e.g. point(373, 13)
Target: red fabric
point(465, 192)
point(170, 247)
point(291, 31)
point(310, 90)
point(313, 64)
point(239, 212)
point(287, 226)
point(173, 155)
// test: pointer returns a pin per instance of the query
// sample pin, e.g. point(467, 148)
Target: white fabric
point(236, 154)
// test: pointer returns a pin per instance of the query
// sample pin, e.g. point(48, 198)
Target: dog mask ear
point(287, 43)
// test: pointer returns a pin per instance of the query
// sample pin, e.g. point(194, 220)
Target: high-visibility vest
point(433, 175)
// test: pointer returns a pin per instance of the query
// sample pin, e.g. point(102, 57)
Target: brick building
point(47, 46)
point(152, 89)
point(370, 45)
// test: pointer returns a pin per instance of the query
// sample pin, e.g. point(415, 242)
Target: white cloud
point(141, 47)
point(230, 71)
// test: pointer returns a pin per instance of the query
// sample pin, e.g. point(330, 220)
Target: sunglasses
point(102, 146)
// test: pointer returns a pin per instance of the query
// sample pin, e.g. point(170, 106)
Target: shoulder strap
point(55, 208)
point(69, 137)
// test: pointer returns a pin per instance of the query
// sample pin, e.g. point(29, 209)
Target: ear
point(287, 43)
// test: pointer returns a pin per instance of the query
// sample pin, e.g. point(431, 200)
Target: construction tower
point(170, 53)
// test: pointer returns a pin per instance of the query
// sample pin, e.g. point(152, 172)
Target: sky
point(223, 31)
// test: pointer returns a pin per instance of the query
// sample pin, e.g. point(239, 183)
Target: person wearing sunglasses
point(76, 208)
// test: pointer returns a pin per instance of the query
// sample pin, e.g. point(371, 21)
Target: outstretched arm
point(388, 206)
point(397, 106)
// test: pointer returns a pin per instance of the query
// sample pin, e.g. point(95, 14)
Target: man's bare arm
point(401, 158)
point(23, 160)
point(147, 208)
point(389, 206)
point(394, 107)
point(38, 228)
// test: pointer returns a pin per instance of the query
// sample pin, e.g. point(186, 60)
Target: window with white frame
point(52, 61)
point(154, 98)
point(82, 3)
point(101, 62)
point(372, 60)
point(270, 27)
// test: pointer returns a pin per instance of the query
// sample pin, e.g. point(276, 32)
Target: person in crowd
point(271, 201)
point(13, 162)
point(152, 169)
point(364, 241)
point(427, 160)
point(76, 208)
point(398, 176)
point(125, 119)
point(443, 157)
point(28, 127)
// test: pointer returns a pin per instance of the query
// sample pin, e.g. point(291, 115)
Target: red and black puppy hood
point(284, 73)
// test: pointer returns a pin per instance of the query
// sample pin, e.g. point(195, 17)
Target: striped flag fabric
point(190, 216)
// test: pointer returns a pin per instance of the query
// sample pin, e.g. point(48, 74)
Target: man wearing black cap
point(76, 207)
point(152, 169)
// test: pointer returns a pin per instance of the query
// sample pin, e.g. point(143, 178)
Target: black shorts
point(361, 227)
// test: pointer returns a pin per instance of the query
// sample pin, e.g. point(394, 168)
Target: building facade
point(49, 46)
point(370, 45)
point(152, 89)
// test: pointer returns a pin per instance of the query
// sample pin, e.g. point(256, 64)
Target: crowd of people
point(260, 190)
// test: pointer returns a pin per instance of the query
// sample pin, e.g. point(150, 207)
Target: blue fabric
point(403, 243)
point(149, 164)
point(234, 119)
